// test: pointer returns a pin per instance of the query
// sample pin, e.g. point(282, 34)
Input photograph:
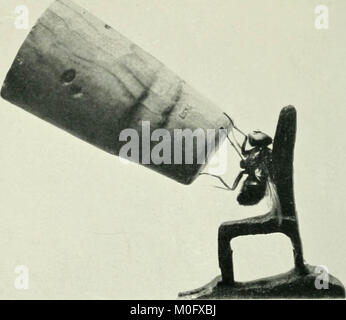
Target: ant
point(257, 165)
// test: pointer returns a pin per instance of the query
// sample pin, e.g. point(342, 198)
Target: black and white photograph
point(189, 151)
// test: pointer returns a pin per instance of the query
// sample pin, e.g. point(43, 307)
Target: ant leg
point(244, 152)
point(218, 177)
point(237, 180)
point(235, 184)
point(235, 148)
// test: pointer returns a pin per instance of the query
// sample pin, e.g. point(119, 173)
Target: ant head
point(259, 139)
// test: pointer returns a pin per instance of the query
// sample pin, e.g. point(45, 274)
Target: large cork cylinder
point(81, 75)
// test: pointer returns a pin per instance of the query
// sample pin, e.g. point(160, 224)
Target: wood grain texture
point(81, 75)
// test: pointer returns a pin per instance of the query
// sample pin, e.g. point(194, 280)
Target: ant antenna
point(231, 142)
point(235, 148)
point(233, 125)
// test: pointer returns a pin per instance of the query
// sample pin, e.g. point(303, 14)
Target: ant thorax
point(258, 158)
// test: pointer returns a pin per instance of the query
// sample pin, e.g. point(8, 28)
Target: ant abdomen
point(252, 192)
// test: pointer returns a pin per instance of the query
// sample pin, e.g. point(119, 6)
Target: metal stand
point(283, 150)
point(296, 283)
